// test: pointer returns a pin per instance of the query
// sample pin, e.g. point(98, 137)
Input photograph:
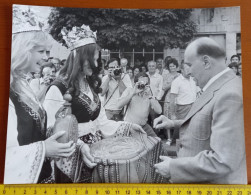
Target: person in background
point(102, 71)
point(135, 71)
point(240, 69)
point(161, 69)
point(234, 67)
point(172, 65)
point(138, 62)
point(183, 93)
point(53, 71)
point(156, 85)
point(143, 69)
point(235, 58)
point(156, 80)
point(131, 75)
point(62, 63)
point(113, 85)
point(123, 64)
point(40, 86)
point(139, 102)
point(166, 60)
point(57, 63)
point(36, 75)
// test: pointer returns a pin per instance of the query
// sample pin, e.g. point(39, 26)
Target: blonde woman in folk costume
point(80, 75)
point(27, 145)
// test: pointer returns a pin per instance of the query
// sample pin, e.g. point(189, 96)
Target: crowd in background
point(138, 92)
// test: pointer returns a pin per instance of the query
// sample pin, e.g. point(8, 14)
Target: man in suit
point(212, 147)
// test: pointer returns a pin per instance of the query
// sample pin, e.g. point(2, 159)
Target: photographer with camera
point(113, 85)
point(140, 102)
point(40, 85)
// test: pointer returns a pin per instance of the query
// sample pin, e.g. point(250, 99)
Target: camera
point(117, 71)
point(52, 79)
point(141, 86)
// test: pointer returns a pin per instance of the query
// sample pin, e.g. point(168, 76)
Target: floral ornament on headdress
point(78, 36)
point(24, 20)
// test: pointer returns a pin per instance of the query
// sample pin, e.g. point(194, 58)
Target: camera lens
point(141, 86)
point(117, 72)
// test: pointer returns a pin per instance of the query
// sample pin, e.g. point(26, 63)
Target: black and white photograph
point(103, 95)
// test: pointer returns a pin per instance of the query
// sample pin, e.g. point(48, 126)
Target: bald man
point(212, 147)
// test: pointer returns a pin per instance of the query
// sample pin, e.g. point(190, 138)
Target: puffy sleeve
point(23, 164)
point(52, 103)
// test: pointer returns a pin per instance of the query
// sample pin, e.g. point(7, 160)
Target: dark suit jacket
point(212, 148)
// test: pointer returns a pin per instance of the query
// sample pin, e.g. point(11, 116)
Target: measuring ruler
point(124, 189)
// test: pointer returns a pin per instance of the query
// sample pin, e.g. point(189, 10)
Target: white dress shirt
point(186, 90)
point(156, 84)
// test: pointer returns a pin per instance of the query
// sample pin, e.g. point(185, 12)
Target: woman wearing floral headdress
point(27, 147)
point(80, 74)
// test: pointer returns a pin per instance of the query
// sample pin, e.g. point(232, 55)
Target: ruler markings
point(121, 189)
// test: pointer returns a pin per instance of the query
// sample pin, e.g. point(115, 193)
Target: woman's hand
point(55, 149)
point(86, 156)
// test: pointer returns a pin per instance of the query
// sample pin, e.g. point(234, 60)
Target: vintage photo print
point(125, 96)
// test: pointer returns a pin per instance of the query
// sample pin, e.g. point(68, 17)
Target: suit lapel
point(209, 93)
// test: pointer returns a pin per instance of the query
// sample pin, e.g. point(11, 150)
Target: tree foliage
point(128, 28)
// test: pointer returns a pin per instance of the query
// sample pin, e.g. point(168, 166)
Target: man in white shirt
point(156, 80)
point(123, 64)
point(183, 93)
point(113, 85)
point(212, 148)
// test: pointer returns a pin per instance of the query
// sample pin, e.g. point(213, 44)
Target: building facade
point(221, 24)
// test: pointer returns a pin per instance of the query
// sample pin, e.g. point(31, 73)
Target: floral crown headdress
point(78, 36)
point(24, 20)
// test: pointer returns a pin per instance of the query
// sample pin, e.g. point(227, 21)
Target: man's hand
point(136, 90)
point(163, 168)
point(47, 80)
point(86, 156)
point(117, 77)
point(163, 122)
point(137, 128)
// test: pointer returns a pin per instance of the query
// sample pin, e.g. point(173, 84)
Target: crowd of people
point(169, 87)
point(189, 101)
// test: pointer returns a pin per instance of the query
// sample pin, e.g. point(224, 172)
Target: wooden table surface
point(5, 48)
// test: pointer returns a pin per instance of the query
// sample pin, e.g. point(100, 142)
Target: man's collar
point(184, 78)
point(215, 78)
point(153, 75)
